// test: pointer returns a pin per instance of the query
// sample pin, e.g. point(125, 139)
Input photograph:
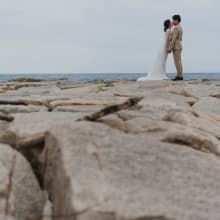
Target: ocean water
point(86, 77)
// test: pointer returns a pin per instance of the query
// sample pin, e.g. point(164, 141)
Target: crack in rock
point(195, 139)
point(9, 189)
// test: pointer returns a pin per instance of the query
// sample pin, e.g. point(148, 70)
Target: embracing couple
point(172, 44)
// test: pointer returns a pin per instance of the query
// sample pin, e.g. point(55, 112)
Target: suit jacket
point(176, 38)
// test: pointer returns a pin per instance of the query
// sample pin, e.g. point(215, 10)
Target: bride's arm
point(167, 41)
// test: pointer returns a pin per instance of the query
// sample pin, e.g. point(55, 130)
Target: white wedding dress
point(159, 69)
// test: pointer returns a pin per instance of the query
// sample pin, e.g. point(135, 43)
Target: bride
point(159, 69)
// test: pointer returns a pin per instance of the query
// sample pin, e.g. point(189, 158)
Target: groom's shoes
point(178, 78)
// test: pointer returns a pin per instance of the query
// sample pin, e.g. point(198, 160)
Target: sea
point(87, 77)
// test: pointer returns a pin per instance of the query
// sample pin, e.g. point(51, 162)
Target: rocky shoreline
point(156, 158)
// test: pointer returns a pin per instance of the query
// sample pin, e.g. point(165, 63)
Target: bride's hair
point(167, 24)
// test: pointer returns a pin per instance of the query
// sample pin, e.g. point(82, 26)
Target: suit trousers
point(177, 55)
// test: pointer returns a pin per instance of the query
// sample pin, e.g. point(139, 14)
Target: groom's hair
point(177, 18)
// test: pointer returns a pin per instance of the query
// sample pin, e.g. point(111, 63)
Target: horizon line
point(214, 72)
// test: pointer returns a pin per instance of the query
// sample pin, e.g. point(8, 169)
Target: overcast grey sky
point(84, 36)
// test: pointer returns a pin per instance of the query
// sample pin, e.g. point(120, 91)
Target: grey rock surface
point(21, 196)
point(2, 217)
point(113, 175)
point(157, 160)
point(21, 109)
point(208, 105)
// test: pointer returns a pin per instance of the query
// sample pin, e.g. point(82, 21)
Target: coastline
point(162, 151)
point(90, 77)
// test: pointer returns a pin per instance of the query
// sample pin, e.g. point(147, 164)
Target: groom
point(176, 46)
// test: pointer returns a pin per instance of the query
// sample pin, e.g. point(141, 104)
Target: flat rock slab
point(40, 122)
point(6, 218)
point(11, 109)
point(202, 89)
point(95, 172)
point(208, 105)
point(81, 108)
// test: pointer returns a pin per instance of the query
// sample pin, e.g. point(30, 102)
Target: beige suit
point(176, 48)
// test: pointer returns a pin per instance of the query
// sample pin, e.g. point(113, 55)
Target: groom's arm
point(174, 37)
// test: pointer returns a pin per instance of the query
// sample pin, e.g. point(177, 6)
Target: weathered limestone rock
point(216, 95)
point(137, 125)
point(158, 160)
point(191, 121)
point(195, 139)
point(20, 194)
point(6, 135)
point(6, 218)
point(81, 108)
point(181, 90)
point(47, 214)
point(164, 97)
point(83, 102)
point(208, 105)
point(95, 172)
point(24, 79)
point(39, 122)
point(21, 109)
point(195, 90)
point(204, 89)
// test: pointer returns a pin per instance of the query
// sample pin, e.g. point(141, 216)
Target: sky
point(104, 36)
